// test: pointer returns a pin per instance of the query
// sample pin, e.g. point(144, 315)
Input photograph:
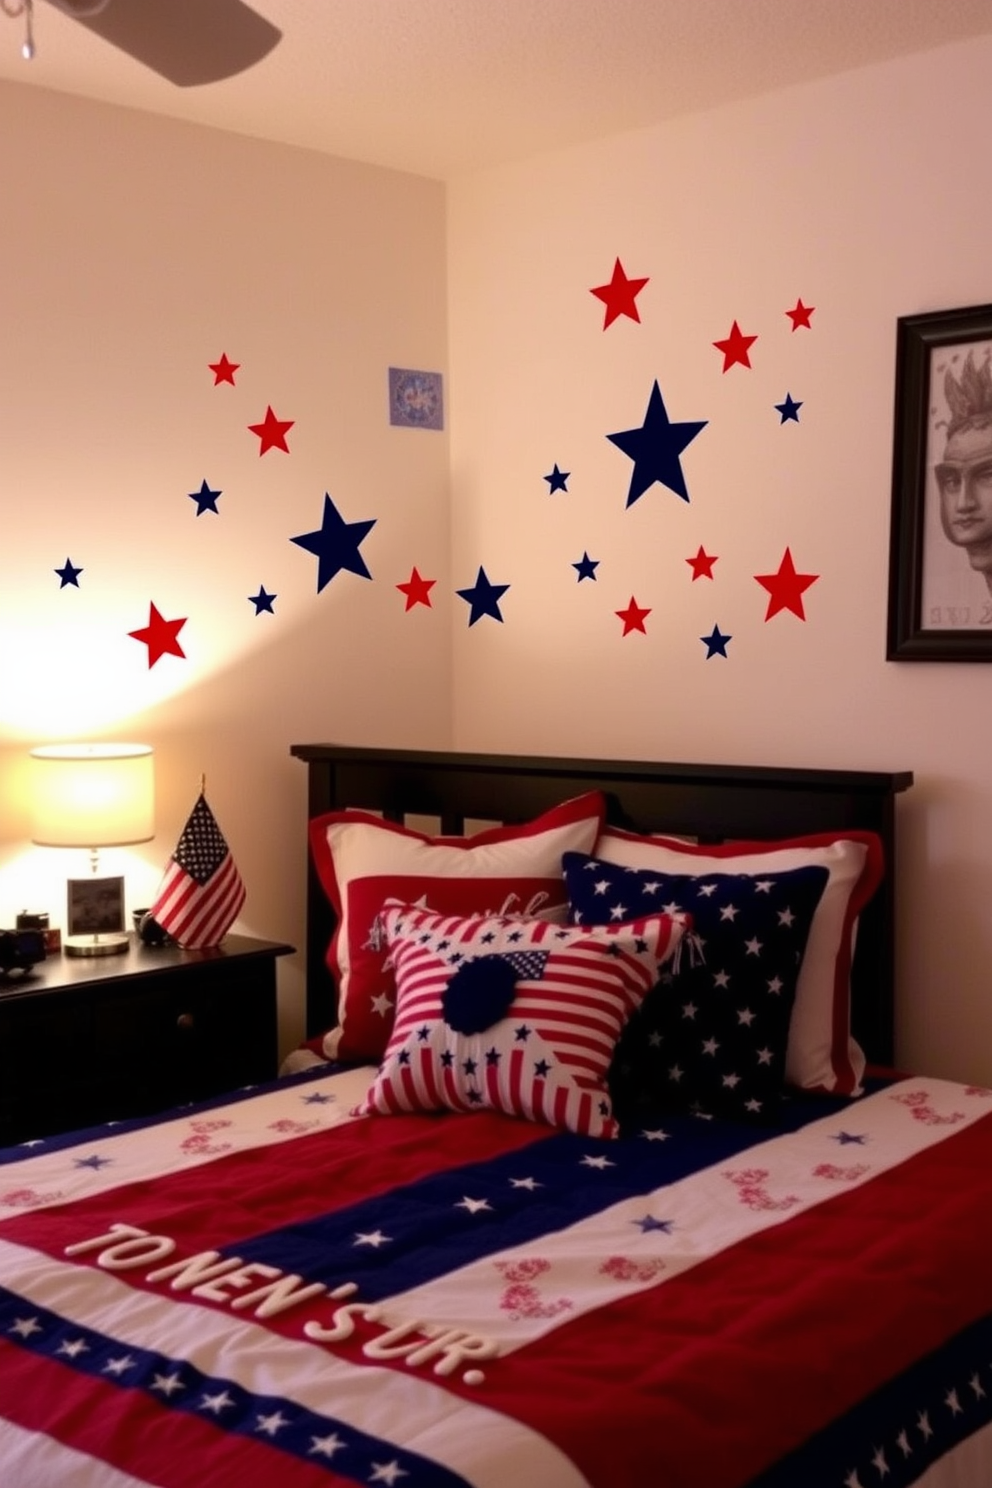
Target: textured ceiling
point(442, 87)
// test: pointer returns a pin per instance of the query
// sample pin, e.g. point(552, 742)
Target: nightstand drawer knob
point(186, 1021)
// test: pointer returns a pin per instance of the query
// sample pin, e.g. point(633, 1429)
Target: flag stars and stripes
point(201, 892)
point(706, 891)
point(879, 1463)
point(216, 1403)
point(721, 979)
point(522, 1034)
point(923, 1425)
point(619, 913)
point(473, 1206)
point(846, 1138)
point(326, 1446)
point(528, 1183)
point(95, 1162)
point(902, 1442)
point(601, 1162)
point(953, 1403)
point(387, 1472)
point(977, 1387)
point(745, 1017)
point(25, 1327)
point(167, 1384)
point(710, 1046)
point(753, 946)
point(375, 1238)
point(119, 1366)
point(272, 1423)
point(72, 1348)
point(729, 912)
point(786, 917)
point(648, 1223)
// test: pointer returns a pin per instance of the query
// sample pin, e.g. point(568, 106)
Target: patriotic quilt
point(274, 1289)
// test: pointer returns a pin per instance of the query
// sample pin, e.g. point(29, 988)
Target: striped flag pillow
point(512, 1014)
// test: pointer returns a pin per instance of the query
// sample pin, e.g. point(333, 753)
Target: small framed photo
point(416, 399)
point(940, 554)
point(96, 906)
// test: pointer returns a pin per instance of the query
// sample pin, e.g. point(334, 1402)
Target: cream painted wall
point(863, 195)
point(137, 251)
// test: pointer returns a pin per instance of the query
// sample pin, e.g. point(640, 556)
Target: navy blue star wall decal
point(586, 568)
point(655, 449)
point(335, 545)
point(789, 409)
point(715, 643)
point(557, 480)
point(68, 574)
point(483, 598)
point(206, 500)
point(263, 602)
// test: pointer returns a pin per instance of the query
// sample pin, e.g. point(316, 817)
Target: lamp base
point(112, 944)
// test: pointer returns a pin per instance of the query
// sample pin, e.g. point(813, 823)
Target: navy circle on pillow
point(479, 994)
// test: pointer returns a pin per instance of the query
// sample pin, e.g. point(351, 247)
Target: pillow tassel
point(692, 943)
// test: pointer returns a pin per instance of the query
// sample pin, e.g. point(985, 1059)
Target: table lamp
point(93, 795)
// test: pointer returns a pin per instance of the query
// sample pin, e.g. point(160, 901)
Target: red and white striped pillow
point(514, 1015)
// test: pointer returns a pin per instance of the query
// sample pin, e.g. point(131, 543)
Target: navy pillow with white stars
point(711, 1036)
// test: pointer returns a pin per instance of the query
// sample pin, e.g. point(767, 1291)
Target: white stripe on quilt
point(186, 1140)
point(970, 1462)
point(463, 1435)
point(523, 1293)
point(31, 1461)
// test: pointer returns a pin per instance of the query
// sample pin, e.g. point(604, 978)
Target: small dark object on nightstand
point(150, 932)
point(20, 950)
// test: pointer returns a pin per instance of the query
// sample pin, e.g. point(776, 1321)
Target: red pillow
point(362, 861)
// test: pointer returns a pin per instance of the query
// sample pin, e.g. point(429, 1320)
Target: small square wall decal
point(416, 399)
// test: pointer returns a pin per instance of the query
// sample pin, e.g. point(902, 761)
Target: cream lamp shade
point(92, 795)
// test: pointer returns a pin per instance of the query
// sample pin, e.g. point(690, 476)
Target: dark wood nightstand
point(85, 1040)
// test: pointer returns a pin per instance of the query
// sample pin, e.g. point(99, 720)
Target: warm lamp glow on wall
point(93, 795)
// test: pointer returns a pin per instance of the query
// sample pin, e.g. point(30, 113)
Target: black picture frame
point(95, 906)
point(940, 585)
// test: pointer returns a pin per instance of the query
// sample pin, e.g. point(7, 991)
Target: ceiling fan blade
point(188, 42)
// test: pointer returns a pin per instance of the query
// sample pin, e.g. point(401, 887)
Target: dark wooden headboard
point(710, 802)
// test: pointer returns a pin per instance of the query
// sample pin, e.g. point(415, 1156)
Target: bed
point(557, 1269)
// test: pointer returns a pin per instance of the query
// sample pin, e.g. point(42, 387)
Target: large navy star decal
point(335, 545)
point(483, 598)
point(655, 449)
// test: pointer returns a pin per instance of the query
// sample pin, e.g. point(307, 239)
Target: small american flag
point(201, 891)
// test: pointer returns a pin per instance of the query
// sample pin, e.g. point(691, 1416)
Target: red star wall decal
point(786, 588)
point(701, 565)
point(224, 370)
point(619, 295)
point(272, 432)
point(159, 636)
point(417, 590)
point(800, 315)
point(633, 617)
point(735, 348)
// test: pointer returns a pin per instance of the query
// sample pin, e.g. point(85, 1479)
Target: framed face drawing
point(940, 554)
